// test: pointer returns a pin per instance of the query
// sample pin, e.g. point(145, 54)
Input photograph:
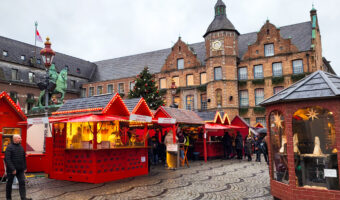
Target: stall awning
point(220, 127)
point(94, 118)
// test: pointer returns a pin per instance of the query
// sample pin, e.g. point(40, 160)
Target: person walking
point(248, 147)
point(257, 149)
point(15, 160)
point(239, 145)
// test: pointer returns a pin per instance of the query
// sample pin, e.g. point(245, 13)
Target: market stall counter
point(100, 140)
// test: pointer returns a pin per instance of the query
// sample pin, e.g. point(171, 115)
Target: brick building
point(21, 68)
point(228, 71)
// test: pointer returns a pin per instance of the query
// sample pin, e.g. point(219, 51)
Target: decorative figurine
point(317, 150)
point(284, 141)
point(296, 142)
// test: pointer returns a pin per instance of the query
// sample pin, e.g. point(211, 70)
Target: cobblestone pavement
point(216, 179)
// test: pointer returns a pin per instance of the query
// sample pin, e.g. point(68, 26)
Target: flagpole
point(35, 40)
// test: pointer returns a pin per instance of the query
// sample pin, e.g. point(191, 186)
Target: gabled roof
point(226, 120)
point(181, 115)
point(16, 108)
point(130, 66)
point(138, 106)
point(16, 49)
point(131, 103)
point(318, 85)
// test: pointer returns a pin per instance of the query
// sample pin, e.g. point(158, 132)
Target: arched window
point(315, 153)
point(219, 97)
point(278, 142)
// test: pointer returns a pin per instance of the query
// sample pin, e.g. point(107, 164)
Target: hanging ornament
point(278, 121)
point(312, 114)
point(146, 85)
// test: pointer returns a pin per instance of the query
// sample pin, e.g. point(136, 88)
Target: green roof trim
point(313, 34)
point(314, 21)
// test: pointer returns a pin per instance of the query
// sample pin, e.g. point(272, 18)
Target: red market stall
point(304, 139)
point(10, 116)
point(100, 140)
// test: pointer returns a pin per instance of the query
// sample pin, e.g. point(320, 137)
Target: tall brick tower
point(221, 43)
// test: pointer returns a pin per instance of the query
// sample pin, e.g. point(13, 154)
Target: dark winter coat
point(227, 140)
point(15, 158)
point(239, 142)
point(248, 150)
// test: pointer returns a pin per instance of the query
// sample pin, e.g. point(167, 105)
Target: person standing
point(239, 145)
point(257, 149)
point(248, 147)
point(226, 145)
point(15, 160)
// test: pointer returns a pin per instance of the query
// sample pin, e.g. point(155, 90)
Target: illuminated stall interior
point(303, 122)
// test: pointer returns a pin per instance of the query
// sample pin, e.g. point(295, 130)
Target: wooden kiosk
point(97, 140)
point(10, 116)
point(304, 139)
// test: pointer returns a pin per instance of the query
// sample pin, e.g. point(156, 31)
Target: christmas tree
point(145, 86)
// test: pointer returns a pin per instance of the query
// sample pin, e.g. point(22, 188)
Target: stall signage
point(166, 120)
point(142, 159)
point(172, 147)
point(330, 173)
point(42, 120)
point(140, 118)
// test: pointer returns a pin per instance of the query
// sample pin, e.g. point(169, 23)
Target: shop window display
point(315, 153)
point(7, 137)
point(279, 147)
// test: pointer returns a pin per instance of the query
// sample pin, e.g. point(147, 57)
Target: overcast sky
point(97, 29)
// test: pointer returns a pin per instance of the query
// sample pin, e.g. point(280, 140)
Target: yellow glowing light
point(278, 121)
point(312, 114)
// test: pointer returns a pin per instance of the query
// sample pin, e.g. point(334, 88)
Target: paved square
point(216, 179)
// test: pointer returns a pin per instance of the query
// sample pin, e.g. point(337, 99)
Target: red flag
point(38, 37)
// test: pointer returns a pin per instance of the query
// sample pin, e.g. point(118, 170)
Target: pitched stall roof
point(207, 116)
point(16, 49)
point(318, 85)
point(138, 106)
point(301, 35)
point(181, 115)
point(14, 106)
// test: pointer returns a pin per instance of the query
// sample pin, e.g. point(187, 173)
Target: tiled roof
point(16, 49)
point(318, 85)
point(184, 116)
point(84, 103)
point(131, 103)
point(130, 66)
point(207, 116)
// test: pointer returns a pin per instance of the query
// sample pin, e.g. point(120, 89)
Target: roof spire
point(220, 8)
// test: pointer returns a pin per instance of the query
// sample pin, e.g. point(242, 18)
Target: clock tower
point(221, 43)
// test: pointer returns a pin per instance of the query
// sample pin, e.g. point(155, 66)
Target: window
point(73, 84)
point(258, 72)
point(203, 78)
point(120, 88)
point(180, 63)
point(277, 69)
point(14, 74)
point(315, 151)
point(162, 83)
point(219, 98)
point(14, 96)
point(190, 79)
point(5, 53)
point(278, 144)
point(268, 49)
point(176, 80)
point(261, 120)
point(190, 102)
point(91, 91)
point(297, 67)
point(22, 57)
point(278, 89)
point(242, 73)
point(78, 70)
point(244, 99)
point(83, 92)
point(110, 89)
point(204, 105)
point(218, 73)
point(38, 61)
point(30, 102)
point(99, 90)
point(247, 120)
point(132, 85)
point(259, 96)
point(31, 77)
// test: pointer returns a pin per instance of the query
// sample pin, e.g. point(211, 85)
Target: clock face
point(216, 45)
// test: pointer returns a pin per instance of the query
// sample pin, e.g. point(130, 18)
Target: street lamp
point(173, 93)
point(47, 55)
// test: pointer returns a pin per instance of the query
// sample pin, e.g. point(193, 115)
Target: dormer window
point(5, 53)
point(22, 57)
point(268, 49)
point(180, 63)
point(78, 70)
point(38, 61)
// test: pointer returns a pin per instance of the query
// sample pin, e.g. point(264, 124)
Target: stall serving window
point(79, 135)
point(7, 136)
point(315, 153)
point(278, 147)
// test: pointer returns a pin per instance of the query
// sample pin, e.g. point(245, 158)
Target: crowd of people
point(236, 145)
